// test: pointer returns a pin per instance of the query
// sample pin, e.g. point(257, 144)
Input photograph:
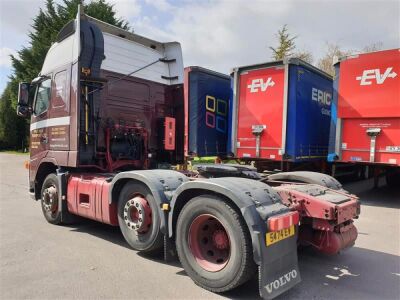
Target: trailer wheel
point(393, 178)
point(49, 199)
point(138, 218)
point(213, 244)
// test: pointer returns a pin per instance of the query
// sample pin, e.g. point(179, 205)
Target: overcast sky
point(224, 34)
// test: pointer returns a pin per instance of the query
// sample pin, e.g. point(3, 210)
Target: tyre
point(49, 199)
point(213, 244)
point(138, 218)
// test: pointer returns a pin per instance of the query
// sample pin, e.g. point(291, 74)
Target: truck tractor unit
point(107, 123)
point(365, 126)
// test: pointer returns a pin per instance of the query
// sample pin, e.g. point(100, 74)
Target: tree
point(373, 47)
point(304, 55)
point(101, 10)
point(12, 128)
point(333, 52)
point(28, 63)
point(287, 46)
point(7, 121)
point(46, 26)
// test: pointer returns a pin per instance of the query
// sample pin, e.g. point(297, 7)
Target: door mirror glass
point(23, 93)
point(23, 108)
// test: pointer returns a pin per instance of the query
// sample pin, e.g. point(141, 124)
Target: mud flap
point(66, 217)
point(279, 270)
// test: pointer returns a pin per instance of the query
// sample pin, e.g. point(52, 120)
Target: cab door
point(39, 142)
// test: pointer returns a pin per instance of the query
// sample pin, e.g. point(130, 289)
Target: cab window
point(43, 94)
point(59, 90)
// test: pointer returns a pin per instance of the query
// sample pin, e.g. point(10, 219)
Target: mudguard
point(66, 216)
point(279, 270)
point(308, 177)
point(162, 184)
point(257, 201)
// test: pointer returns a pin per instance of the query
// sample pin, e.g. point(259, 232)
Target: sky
point(224, 34)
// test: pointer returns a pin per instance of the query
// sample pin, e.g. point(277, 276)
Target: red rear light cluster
point(280, 222)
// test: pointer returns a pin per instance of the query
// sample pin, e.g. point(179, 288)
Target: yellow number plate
point(276, 236)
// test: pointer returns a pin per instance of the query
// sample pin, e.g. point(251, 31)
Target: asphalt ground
point(89, 260)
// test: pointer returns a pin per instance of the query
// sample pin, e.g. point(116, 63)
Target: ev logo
point(259, 83)
point(368, 75)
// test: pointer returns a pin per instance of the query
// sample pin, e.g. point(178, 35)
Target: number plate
point(276, 236)
point(393, 148)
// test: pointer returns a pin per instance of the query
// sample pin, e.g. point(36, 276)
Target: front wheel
point(49, 199)
point(213, 244)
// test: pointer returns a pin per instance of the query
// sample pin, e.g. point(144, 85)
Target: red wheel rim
point(138, 214)
point(50, 199)
point(209, 243)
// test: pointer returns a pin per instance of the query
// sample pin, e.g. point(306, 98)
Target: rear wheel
point(49, 199)
point(213, 244)
point(138, 218)
point(393, 178)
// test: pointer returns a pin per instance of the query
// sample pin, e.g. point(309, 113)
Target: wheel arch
point(254, 200)
point(161, 183)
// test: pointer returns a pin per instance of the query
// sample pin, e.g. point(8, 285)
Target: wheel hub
point(137, 214)
point(50, 199)
point(209, 243)
point(220, 239)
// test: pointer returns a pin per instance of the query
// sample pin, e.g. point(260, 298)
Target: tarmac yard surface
point(90, 260)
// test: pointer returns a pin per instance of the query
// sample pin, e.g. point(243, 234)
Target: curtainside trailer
point(106, 109)
point(207, 95)
point(280, 113)
point(365, 128)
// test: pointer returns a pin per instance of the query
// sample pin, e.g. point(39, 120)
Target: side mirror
point(23, 111)
point(23, 108)
point(23, 93)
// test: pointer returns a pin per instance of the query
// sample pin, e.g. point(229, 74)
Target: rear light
point(280, 222)
point(26, 164)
